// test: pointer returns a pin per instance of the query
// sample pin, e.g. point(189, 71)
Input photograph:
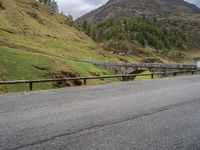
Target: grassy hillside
point(36, 42)
point(16, 64)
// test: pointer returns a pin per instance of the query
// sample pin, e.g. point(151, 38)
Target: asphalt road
point(145, 115)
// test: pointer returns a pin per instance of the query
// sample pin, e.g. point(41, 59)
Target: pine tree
point(94, 35)
point(88, 30)
point(71, 18)
point(84, 25)
point(50, 3)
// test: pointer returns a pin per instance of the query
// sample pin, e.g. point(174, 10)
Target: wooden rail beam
point(124, 77)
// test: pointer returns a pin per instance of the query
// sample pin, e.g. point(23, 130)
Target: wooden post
point(152, 76)
point(31, 86)
point(174, 74)
point(165, 72)
point(192, 72)
point(85, 81)
point(123, 78)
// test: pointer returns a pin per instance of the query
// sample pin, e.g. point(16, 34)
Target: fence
point(145, 65)
point(124, 77)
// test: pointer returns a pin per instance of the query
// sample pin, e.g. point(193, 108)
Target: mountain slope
point(138, 8)
point(36, 42)
point(166, 28)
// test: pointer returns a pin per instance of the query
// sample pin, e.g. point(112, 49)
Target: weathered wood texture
point(124, 77)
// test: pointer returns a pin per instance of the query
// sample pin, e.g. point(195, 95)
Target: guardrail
point(125, 77)
point(145, 65)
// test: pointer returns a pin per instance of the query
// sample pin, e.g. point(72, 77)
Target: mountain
point(166, 28)
point(138, 8)
point(37, 42)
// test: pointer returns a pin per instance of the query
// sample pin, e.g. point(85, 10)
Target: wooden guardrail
point(122, 76)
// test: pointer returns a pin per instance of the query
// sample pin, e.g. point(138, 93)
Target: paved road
point(146, 115)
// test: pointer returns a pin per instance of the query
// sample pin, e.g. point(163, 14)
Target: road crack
point(137, 116)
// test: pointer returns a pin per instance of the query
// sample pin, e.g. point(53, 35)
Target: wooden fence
point(124, 77)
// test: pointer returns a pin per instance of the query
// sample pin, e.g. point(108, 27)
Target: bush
point(155, 42)
point(140, 38)
point(106, 24)
point(114, 32)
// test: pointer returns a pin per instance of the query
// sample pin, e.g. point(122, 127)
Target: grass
point(20, 65)
point(57, 47)
point(16, 64)
point(28, 53)
point(139, 78)
point(36, 42)
point(93, 70)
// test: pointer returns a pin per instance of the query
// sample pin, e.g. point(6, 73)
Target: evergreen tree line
point(86, 27)
point(145, 32)
point(50, 3)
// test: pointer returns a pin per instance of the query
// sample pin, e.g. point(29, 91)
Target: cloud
point(79, 7)
point(197, 2)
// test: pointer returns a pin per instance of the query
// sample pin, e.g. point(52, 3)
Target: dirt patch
point(96, 74)
point(63, 74)
point(137, 71)
point(196, 58)
point(152, 60)
point(1, 6)
point(35, 16)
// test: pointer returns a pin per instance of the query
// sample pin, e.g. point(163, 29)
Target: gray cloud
point(95, 2)
point(197, 2)
point(79, 7)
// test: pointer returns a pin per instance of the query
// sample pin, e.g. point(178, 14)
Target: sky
point(77, 8)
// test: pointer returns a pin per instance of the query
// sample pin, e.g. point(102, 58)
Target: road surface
point(145, 115)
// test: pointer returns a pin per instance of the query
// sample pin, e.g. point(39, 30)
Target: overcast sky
point(79, 7)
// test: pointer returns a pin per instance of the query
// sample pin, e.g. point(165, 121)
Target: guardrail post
point(85, 81)
point(152, 76)
point(192, 72)
point(31, 86)
point(174, 74)
point(165, 72)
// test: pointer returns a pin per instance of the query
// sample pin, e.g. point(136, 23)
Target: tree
point(84, 25)
point(94, 35)
point(50, 3)
point(88, 30)
point(71, 18)
point(154, 19)
point(140, 38)
point(53, 4)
